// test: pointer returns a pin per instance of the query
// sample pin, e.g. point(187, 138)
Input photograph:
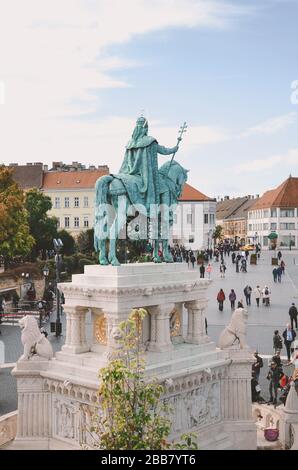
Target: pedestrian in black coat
point(289, 336)
point(293, 315)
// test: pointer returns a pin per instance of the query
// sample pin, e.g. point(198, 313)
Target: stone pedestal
point(209, 389)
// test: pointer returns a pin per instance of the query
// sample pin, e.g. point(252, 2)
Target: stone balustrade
point(8, 427)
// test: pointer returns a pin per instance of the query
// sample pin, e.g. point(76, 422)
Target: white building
point(276, 212)
point(194, 221)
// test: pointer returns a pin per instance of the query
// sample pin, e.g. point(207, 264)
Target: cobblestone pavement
point(261, 325)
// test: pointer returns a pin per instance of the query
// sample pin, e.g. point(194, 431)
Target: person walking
point(193, 260)
point(279, 273)
point(209, 270)
point(202, 271)
point(274, 272)
point(289, 336)
point(257, 365)
point(220, 299)
point(247, 292)
point(257, 293)
point(222, 269)
point(279, 255)
point(293, 315)
point(277, 342)
point(233, 257)
point(232, 299)
point(282, 265)
point(266, 296)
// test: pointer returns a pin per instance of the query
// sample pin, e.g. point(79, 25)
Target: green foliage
point(85, 242)
point(218, 233)
point(68, 242)
point(15, 238)
point(83, 262)
point(131, 414)
point(42, 228)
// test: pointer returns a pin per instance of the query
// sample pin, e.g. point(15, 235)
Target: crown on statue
point(142, 122)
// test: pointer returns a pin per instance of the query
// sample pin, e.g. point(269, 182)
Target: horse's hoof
point(157, 259)
point(103, 262)
point(168, 260)
point(114, 262)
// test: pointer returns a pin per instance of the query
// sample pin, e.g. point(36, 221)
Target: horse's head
point(176, 173)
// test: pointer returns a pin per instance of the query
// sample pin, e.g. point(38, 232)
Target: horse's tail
point(101, 189)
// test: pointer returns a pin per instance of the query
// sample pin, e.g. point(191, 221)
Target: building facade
point(276, 212)
point(232, 215)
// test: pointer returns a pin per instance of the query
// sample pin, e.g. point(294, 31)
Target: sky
point(76, 74)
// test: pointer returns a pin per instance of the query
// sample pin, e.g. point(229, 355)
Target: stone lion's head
point(30, 330)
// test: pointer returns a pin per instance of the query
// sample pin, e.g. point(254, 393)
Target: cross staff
point(181, 132)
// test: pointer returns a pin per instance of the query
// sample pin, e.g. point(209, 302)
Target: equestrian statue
point(139, 188)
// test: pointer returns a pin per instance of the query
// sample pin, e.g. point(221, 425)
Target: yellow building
point(72, 194)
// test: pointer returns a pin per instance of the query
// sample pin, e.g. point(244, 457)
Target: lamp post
point(58, 245)
point(290, 241)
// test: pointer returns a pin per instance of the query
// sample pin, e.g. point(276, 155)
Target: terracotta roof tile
point(285, 195)
point(191, 194)
point(71, 179)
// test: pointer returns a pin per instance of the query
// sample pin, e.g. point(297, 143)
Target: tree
point(131, 413)
point(42, 228)
point(15, 238)
point(68, 241)
point(217, 235)
point(85, 242)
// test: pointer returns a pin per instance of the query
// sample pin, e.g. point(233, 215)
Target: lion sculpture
point(34, 342)
point(235, 332)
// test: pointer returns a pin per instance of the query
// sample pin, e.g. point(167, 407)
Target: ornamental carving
point(100, 329)
point(175, 324)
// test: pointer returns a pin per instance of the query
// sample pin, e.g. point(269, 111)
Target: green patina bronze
point(142, 185)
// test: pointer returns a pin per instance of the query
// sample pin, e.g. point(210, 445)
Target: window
point(265, 226)
point(287, 212)
point(189, 218)
point(250, 227)
point(289, 226)
point(77, 202)
point(76, 222)
point(212, 218)
point(86, 201)
point(57, 202)
point(66, 202)
point(205, 218)
point(274, 212)
point(86, 222)
point(265, 213)
point(273, 226)
point(66, 222)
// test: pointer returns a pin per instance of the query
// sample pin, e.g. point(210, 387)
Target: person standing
point(282, 265)
point(258, 293)
point(237, 265)
point(232, 299)
point(279, 255)
point(293, 315)
point(209, 269)
point(220, 299)
point(279, 273)
point(247, 292)
point(202, 271)
point(277, 342)
point(289, 336)
point(274, 273)
point(266, 296)
point(193, 260)
point(274, 376)
point(257, 365)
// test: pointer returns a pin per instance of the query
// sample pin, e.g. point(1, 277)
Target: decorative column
point(196, 333)
point(76, 342)
point(160, 338)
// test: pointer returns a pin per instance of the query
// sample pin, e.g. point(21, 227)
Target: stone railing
point(8, 427)
point(266, 416)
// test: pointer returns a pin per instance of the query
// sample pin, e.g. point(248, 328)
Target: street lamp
point(290, 241)
point(58, 245)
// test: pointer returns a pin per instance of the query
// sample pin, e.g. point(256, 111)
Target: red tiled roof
point(285, 195)
point(191, 194)
point(72, 179)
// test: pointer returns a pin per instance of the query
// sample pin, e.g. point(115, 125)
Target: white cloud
point(272, 125)
point(54, 55)
point(289, 158)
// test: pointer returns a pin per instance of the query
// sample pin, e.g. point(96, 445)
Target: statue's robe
point(139, 170)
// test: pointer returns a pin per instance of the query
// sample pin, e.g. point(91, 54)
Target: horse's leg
point(103, 260)
point(167, 256)
point(156, 257)
point(113, 236)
